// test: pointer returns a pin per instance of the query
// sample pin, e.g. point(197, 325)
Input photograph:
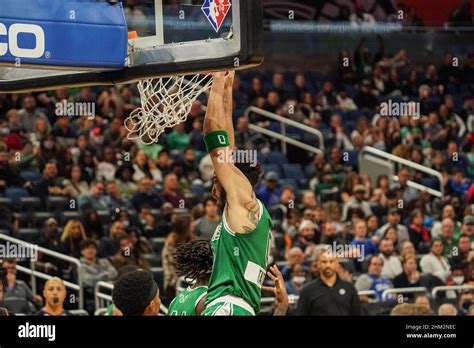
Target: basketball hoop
point(165, 102)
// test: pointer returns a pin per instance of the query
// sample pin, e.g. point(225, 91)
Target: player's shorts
point(228, 306)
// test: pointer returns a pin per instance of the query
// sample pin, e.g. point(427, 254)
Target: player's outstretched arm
point(228, 106)
point(240, 198)
point(279, 291)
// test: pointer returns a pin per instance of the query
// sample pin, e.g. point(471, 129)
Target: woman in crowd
point(72, 237)
point(181, 233)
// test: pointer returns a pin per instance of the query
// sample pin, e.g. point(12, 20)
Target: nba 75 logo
point(216, 11)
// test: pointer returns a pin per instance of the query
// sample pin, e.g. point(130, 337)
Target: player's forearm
point(228, 106)
point(215, 114)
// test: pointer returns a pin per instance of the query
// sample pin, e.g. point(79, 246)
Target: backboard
point(63, 43)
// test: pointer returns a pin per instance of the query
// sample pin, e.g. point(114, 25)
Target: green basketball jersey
point(240, 261)
point(185, 303)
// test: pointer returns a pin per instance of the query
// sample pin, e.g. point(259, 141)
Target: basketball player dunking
point(241, 242)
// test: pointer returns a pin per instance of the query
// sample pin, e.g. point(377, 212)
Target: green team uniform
point(240, 264)
point(185, 303)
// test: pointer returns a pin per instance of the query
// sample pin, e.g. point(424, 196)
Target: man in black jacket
point(328, 294)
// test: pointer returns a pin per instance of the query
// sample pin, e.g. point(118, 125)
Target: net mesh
point(165, 102)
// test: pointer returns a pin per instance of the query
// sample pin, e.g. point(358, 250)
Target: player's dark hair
point(194, 260)
point(252, 173)
point(133, 291)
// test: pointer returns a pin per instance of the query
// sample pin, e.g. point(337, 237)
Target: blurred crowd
point(132, 204)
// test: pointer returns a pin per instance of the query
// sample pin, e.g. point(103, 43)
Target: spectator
point(9, 174)
point(64, 132)
point(94, 199)
point(206, 225)
point(147, 225)
point(435, 262)
point(391, 262)
point(357, 202)
point(328, 294)
point(331, 236)
point(447, 237)
point(137, 294)
point(94, 269)
point(423, 300)
point(127, 254)
point(124, 175)
point(17, 289)
point(146, 167)
point(407, 249)
point(93, 225)
point(417, 231)
point(448, 212)
point(373, 279)
point(410, 277)
point(181, 234)
point(361, 241)
point(297, 278)
point(50, 184)
point(464, 251)
point(171, 193)
point(295, 257)
point(113, 134)
point(287, 199)
point(447, 309)
point(270, 193)
point(75, 184)
point(50, 240)
point(178, 139)
point(394, 221)
point(466, 228)
point(105, 170)
point(30, 113)
point(190, 171)
point(109, 245)
point(113, 198)
point(305, 239)
point(365, 99)
point(140, 244)
point(72, 237)
point(145, 196)
point(54, 293)
point(408, 192)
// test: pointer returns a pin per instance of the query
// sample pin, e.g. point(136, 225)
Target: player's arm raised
point(219, 138)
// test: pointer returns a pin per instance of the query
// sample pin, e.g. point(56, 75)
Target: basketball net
point(165, 102)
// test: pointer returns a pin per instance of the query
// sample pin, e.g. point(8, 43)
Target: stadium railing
point(418, 289)
point(370, 293)
point(437, 289)
point(379, 157)
point(282, 137)
point(36, 274)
